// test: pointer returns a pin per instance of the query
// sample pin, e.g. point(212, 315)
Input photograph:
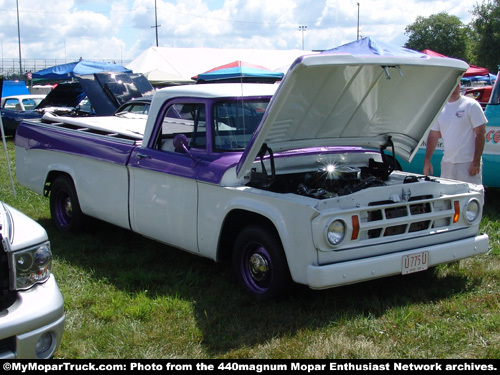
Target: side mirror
point(181, 143)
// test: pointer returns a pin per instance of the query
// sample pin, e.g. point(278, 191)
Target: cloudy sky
point(122, 29)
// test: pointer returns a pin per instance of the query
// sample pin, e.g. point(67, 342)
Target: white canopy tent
point(159, 77)
point(178, 65)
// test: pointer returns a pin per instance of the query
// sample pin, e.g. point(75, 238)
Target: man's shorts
point(460, 172)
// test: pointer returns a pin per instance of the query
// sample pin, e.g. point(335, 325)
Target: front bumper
point(350, 272)
point(36, 312)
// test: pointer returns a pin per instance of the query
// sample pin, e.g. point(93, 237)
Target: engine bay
point(327, 180)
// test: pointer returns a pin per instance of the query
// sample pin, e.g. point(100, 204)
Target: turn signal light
point(355, 227)
point(456, 204)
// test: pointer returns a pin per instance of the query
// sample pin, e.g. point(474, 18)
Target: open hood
point(63, 95)
point(106, 91)
point(340, 99)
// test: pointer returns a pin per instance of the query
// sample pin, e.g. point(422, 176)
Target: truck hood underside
point(341, 99)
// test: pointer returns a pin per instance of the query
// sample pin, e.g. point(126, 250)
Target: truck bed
point(129, 126)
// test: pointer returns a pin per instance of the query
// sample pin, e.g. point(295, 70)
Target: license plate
point(415, 263)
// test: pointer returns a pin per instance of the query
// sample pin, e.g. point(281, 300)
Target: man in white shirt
point(462, 126)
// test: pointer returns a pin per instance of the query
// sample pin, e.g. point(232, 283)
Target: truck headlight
point(472, 211)
point(31, 266)
point(335, 232)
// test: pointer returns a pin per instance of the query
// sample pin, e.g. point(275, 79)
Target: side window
point(234, 123)
point(12, 104)
point(29, 104)
point(141, 109)
point(136, 108)
point(183, 118)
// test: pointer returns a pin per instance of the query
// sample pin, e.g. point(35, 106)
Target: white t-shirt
point(456, 123)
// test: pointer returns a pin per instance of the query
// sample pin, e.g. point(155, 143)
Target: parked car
point(14, 109)
point(98, 94)
point(481, 94)
point(63, 99)
point(31, 304)
point(21, 102)
point(137, 106)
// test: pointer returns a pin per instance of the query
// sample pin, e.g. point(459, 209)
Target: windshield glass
point(234, 122)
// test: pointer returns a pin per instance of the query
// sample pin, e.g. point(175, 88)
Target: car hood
point(106, 91)
point(63, 95)
point(341, 99)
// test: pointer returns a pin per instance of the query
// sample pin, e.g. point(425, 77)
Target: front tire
point(65, 207)
point(260, 264)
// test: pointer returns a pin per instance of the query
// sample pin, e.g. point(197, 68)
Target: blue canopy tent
point(369, 46)
point(14, 88)
point(82, 67)
point(489, 78)
point(239, 71)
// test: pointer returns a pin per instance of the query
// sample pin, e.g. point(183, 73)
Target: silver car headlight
point(335, 232)
point(472, 210)
point(31, 266)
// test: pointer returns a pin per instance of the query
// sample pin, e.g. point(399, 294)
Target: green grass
point(130, 297)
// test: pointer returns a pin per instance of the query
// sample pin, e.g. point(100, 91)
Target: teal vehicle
point(491, 154)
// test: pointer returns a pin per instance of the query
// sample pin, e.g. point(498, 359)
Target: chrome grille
point(419, 214)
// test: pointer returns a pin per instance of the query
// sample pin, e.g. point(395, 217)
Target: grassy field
point(130, 297)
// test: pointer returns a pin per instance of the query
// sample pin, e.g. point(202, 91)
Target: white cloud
point(70, 29)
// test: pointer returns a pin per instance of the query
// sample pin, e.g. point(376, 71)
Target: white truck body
point(290, 181)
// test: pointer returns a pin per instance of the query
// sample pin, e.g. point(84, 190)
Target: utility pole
point(156, 26)
point(302, 28)
point(19, 39)
point(357, 37)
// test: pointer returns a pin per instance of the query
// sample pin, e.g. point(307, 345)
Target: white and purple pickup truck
point(290, 182)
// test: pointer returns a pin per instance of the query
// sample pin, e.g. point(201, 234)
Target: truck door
point(163, 187)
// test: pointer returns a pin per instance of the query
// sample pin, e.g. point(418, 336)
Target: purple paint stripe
point(67, 141)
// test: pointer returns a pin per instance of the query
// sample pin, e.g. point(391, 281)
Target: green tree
point(441, 33)
point(486, 24)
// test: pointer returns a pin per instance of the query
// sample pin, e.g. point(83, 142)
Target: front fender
point(290, 217)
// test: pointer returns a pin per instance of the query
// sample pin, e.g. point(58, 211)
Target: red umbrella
point(472, 71)
point(238, 70)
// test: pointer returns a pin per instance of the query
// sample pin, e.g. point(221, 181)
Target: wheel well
point(233, 223)
point(51, 177)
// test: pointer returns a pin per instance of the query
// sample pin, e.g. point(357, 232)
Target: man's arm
point(480, 133)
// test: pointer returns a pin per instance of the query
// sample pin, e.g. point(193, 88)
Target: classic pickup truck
point(293, 183)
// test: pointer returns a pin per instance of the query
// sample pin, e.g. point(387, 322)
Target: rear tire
point(65, 207)
point(260, 264)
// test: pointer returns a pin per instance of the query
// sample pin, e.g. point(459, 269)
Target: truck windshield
point(235, 121)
